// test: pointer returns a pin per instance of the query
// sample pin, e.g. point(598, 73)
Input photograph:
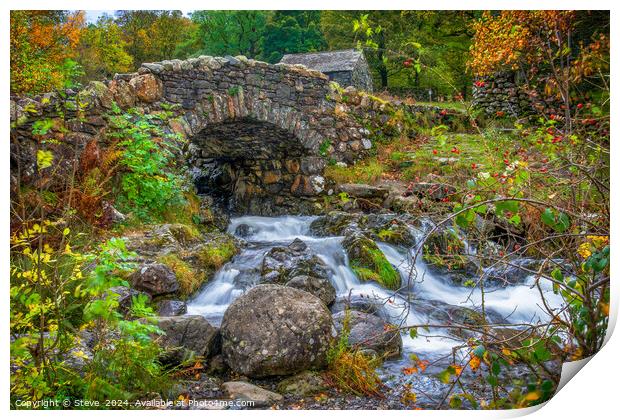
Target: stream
point(517, 303)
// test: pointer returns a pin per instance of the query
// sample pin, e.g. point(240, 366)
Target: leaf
point(558, 221)
point(479, 351)
point(532, 396)
point(506, 206)
point(413, 332)
point(474, 363)
point(455, 402)
point(44, 159)
point(496, 368)
point(444, 376)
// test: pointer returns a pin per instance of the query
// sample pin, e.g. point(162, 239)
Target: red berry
point(579, 106)
point(434, 151)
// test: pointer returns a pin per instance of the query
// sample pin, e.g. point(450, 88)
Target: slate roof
point(326, 61)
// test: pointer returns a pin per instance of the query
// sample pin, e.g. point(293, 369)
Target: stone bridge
point(258, 134)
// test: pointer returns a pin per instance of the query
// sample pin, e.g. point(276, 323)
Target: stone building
point(346, 67)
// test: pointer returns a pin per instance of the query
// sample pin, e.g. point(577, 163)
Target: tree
point(541, 46)
point(102, 50)
point(237, 32)
point(42, 49)
point(289, 32)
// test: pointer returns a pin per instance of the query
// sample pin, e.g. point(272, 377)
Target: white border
point(591, 394)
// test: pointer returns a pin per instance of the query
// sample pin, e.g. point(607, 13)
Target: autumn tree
point(550, 49)
point(42, 49)
point(102, 50)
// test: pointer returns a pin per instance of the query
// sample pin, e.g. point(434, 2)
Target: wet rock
point(366, 331)
point(390, 230)
point(303, 384)
point(155, 279)
point(368, 262)
point(445, 252)
point(111, 215)
point(275, 330)
point(244, 231)
point(187, 337)
point(334, 223)
point(247, 392)
point(282, 264)
point(364, 191)
point(172, 308)
point(319, 287)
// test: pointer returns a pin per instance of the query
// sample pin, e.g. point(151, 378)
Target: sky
point(93, 15)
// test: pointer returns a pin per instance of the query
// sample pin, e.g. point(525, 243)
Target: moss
point(364, 172)
point(369, 263)
point(189, 280)
point(396, 235)
point(217, 253)
point(185, 234)
point(444, 249)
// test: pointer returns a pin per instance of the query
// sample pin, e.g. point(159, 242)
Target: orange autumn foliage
point(41, 43)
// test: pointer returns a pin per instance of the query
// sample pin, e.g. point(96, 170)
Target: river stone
point(335, 223)
point(368, 261)
point(172, 307)
point(303, 384)
point(247, 392)
point(319, 287)
point(368, 331)
point(276, 330)
point(155, 279)
point(244, 230)
point(282, 264)
point(187, 337)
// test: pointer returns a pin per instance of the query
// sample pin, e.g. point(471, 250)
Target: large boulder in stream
point(282, 264)
point(369, 332)
point(187, 337)
point(368, 262)
point(276, 330)
point(319, 287)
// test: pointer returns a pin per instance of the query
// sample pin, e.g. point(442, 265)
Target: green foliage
point(350, 369)
point(362, 172)
point(235, 32)
point(53, 298)
point(148, 184)
point(292, 31)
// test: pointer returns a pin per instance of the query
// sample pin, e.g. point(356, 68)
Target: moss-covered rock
point(369, 263)
point(213, 254)
point(445, 249)
point(333, 224)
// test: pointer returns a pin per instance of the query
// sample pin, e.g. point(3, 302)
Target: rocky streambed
point(282, 289)
point(282, 299)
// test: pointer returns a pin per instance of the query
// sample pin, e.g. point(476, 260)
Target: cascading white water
point(517, 303)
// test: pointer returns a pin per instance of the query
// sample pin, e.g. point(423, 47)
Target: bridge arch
point(258, 134)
